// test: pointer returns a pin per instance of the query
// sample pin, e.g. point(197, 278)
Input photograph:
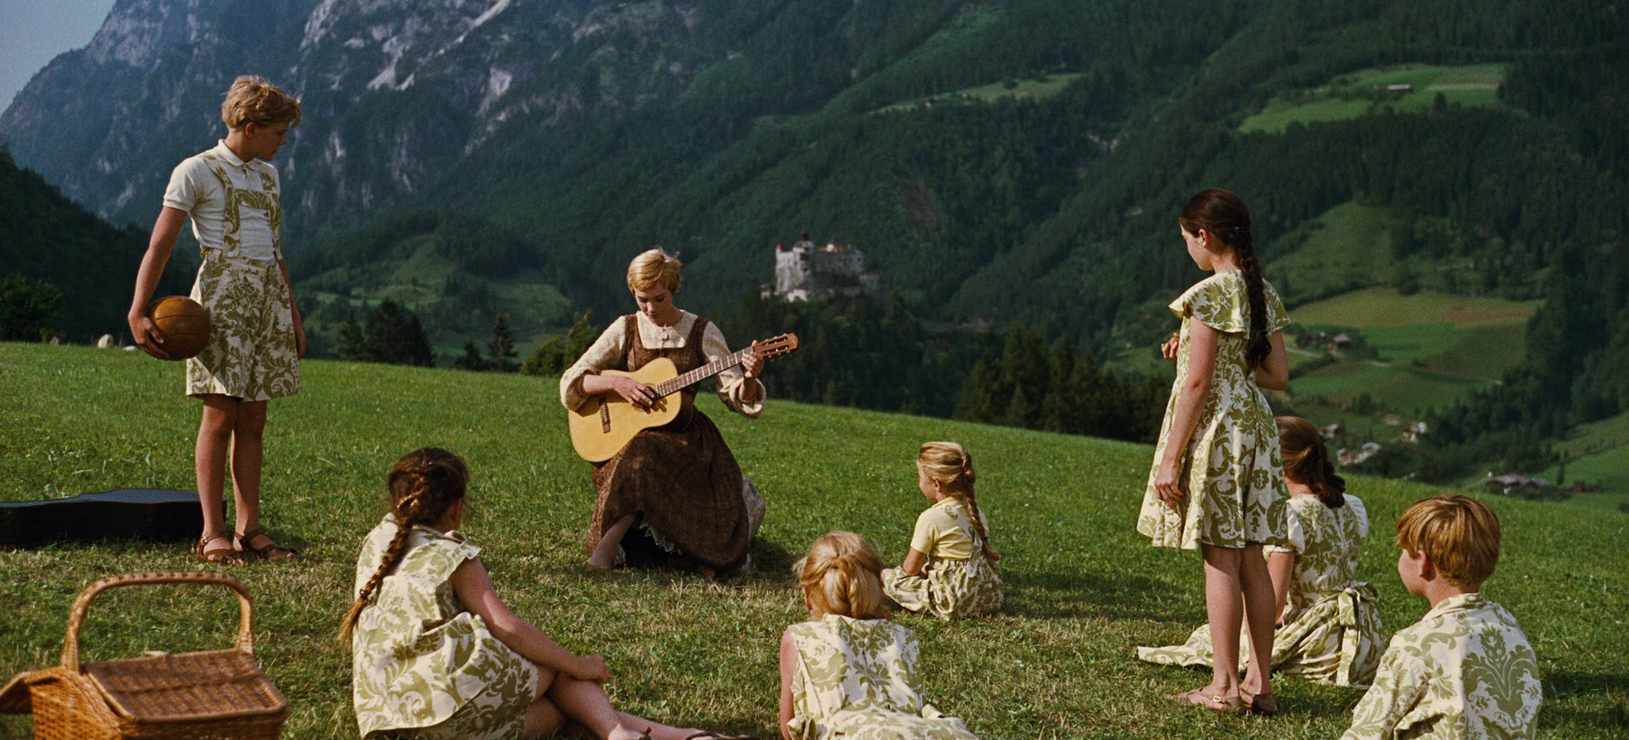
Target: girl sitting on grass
point(1217, 482)
point(951, 569)
point(849, 671)
point(1328, 628)
point(436, 654)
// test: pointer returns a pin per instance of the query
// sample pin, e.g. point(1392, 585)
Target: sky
point(33, 32)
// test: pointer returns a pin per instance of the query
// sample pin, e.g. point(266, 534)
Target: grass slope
point(1083, 587)
point(1349, 96)
point(1597, 452)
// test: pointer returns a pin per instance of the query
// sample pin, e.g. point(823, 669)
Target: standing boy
point(1465, 671)
point(255, 339)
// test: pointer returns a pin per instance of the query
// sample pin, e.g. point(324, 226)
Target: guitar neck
point(674, 385)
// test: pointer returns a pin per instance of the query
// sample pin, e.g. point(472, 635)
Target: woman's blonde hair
point(952, 465)
point(842, 574)
point(654, 267)
point(424, 484)
point(1460, 534)
point(252, 98)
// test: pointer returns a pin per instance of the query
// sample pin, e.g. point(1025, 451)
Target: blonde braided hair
point(951, 465)
point(424, 484)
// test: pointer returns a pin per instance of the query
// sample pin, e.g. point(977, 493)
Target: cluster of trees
point(391, 334)
point(1057, 389)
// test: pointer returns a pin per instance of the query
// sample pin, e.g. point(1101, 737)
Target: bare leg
point(585, 702)
point(209, 458)
point(1257, 586)
point(1225, 608)
point(543, 718)
point(248, 455)
point(605, 553)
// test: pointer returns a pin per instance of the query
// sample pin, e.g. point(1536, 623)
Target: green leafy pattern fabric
point(1232, 472)
point(857, 679)
point(1331, 630)
point(251, 352)
point(421, 664)
point(1464, 672)
point(950, 588)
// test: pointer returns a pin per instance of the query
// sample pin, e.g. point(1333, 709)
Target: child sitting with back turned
point(1465, 671)
point(951, 569)
point(850, 672)
point(436, 653)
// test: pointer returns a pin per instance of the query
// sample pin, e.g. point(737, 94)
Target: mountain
point(999, 162)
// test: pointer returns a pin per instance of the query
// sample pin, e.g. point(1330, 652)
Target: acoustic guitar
point(606, 422)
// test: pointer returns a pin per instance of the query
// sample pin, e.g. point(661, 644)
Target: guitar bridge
point(605, 418)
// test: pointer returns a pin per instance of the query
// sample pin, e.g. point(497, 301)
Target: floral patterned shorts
point(251, 353)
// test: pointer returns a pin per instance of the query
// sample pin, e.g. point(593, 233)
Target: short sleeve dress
point(958, 580)
point(856, 680)
point(422, 665)
point(1233, 471)
point(1332, 632)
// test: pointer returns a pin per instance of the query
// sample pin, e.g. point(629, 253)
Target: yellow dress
point(954, 584)
point(1232, 470)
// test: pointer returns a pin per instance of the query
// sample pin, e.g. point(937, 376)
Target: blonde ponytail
point(951, 465)
point(842, 574)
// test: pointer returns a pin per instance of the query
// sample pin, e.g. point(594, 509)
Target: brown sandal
point(269, 551)
point(221, 555)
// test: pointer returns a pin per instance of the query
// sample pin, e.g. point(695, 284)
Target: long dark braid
point(1224, 214)
point(423, 485)
point(1306, 460)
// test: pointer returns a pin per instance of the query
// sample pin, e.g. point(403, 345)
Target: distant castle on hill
point(806, 271)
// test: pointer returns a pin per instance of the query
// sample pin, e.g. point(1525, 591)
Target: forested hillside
point(1017, 162)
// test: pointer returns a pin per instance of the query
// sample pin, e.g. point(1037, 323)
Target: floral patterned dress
point(856, 679)
point(421, 664)
point(1332, 632)
point(1464, 672)
point(1232, 471)
point(950, 588)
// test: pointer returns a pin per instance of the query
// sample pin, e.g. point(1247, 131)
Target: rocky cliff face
point(395, 92)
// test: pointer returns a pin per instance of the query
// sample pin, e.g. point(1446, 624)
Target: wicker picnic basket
point(213, 694)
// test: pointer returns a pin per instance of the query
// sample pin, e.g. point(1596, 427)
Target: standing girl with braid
point(951, 569)
point(1328, 628)
point(436, 654)
point(1217, 483)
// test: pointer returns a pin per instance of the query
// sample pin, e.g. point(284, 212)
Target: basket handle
point(76, 615)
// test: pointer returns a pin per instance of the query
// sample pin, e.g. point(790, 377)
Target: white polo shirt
point(195, 189)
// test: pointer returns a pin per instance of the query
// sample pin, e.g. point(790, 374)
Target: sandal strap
point(270, 546)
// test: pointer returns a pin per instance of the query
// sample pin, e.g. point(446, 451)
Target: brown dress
point(680, 479)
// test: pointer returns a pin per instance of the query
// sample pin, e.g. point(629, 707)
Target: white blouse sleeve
point(604, 353)
point(732, 384)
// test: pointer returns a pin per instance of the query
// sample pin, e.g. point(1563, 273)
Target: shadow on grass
point(1563, 686)
point(1088, 593)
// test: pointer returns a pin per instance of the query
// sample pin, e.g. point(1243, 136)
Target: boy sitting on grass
point(1465, 671)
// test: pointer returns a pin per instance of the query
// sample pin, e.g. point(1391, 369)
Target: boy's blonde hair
point(842, 575)
point(654, 267)
point(1460, 534)
point(952, 465)
point(252, 98)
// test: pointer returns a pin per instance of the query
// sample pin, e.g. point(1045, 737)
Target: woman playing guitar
point(679, 483)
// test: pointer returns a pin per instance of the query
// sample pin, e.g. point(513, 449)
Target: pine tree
point(502, 346)
point(471, 359)
point(352, 343)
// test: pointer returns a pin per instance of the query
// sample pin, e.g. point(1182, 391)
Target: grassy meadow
point(1351, 95)
point(1082, 587)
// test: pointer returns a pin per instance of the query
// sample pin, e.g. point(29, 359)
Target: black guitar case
point(128, 513)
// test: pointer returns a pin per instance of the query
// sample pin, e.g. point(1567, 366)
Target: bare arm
point(299, 328)
point(914, 560)
point(159, 245)
point(632, 391)
point(789, 663)
point(1281, 567)
point(1190, 404)
point(1274, 372)
point(474, 589)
